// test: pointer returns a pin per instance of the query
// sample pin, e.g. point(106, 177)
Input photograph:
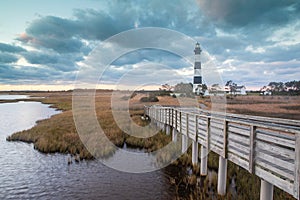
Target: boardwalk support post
point(174, 135)
point(168, 129)
point(203, 164)
point(184, 142)
point(222, 175)
point(266, 190)
point(195, 153)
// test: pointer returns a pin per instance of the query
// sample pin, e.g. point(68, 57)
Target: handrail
point(267, 147)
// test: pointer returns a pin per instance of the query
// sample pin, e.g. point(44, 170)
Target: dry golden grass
point(269, 106)
point(58, 134)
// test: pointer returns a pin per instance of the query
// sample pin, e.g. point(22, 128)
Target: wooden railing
point(266, 147)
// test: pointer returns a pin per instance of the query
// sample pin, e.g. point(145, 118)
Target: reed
point(58, 134)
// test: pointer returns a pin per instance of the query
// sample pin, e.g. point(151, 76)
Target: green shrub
point(149, 99)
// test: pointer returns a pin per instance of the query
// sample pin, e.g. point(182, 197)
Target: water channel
point(28, 174)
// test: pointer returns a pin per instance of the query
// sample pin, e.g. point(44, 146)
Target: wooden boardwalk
point(266, 147)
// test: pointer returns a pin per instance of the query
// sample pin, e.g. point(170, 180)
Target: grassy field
point(58, 134)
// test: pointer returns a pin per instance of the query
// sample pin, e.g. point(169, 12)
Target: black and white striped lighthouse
point(197, 84)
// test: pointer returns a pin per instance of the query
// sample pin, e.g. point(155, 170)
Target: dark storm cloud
point(73, 38)
point(63, 35)
point(60, 45)
point(250, 24)
point(256, 12)
point(7, 57)
point(60, 62)
point(29, 74)
point(228, 30)
point(10, 48)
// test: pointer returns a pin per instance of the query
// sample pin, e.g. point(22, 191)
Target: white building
point(236, 90)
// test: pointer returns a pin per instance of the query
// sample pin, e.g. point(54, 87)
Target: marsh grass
point(287, 107)
point(58, 134)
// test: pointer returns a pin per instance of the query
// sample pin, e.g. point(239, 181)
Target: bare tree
point(166, 87)
point(232, 86)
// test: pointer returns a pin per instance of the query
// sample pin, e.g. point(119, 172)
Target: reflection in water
point(27, 174)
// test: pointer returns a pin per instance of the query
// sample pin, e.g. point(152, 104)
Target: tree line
point(281, 88)
point(277, 88)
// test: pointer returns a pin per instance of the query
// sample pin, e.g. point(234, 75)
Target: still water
point(27, 174)
point(11, 97)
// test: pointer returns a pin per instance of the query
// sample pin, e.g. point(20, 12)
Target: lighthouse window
point(198, 80)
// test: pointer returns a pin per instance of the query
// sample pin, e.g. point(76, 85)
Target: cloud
point(56, 61)
point(141, 74)
point(238, 34)
point(7, 57)
point(60, 45)
point(243, 13)
point(261, 73)
point(153, 56)
point(31, 75)
point(63, 35)
point(10, 48)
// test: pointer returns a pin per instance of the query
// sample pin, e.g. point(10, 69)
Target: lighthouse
point(197, 84)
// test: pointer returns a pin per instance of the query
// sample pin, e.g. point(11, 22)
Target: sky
point(44, 45)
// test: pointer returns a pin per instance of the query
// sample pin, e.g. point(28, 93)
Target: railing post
point(266, 190)
point(163, 117)
point(204, 150)
point(163, 127)
point(168, 129)
point(175, 132)
point(173, 119)
point(187, 132)
point(169, 121)
point(176, 119)
point(174, 135)
point(297, 167)
point(155, 116)
point(208, 134)
point(187, 125)
point(180, 122)
point(225, 138)
point(252, 148)
point(184, 138)
point(170, 115)
point(158, 118)
point(222, 173)
point(195, 144)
